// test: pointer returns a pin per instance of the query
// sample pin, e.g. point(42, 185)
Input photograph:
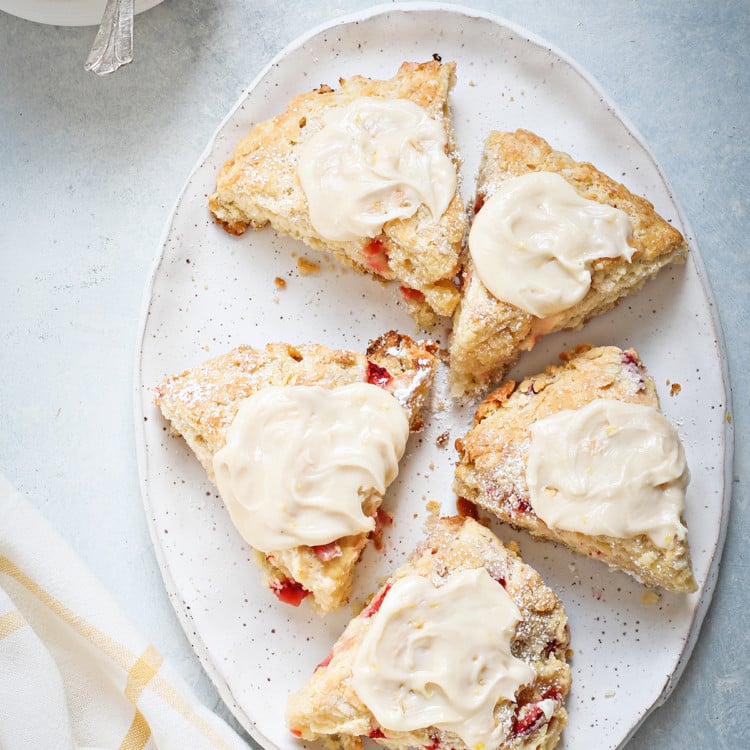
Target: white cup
point(65, 12)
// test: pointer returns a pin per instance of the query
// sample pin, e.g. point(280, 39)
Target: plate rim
point(420, 6)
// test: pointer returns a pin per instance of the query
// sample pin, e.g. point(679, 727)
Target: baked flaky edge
point(200, 404)
point(489, 334)
point(491, 470)
point(327, 708)
point(259, 185)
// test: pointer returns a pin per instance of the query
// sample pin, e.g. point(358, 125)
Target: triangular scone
point(260, 184)
point(494, 459)
point(202, 402)
point(488, 333)
point(329, 706)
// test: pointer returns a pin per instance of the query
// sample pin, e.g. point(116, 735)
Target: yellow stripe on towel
point(141, 673)
point(140, 670)
point(138, 734)
point(10, 622)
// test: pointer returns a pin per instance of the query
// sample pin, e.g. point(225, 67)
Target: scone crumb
point(650, 597)
point(280, 283)
point(442, 439)
point(610, 693)
point(307, 267)
point(675, 389)
point(433, 506)
point(466, 508)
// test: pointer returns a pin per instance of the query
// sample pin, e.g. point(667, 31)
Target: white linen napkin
point(74, 672)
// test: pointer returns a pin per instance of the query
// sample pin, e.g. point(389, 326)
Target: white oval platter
point(210, 292)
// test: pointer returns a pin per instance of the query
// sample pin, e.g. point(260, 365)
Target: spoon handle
point(113, 46)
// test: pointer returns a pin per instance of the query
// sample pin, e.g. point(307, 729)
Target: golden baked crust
point(201, 403)
point(327, 707)
point(259, 185)
point(489, 334)
point(491, 470)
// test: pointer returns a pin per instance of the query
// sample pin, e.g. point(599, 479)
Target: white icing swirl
point(534, 240)
point(299, 461)
point(374, 160)
point(609, 468)
point(441, 656)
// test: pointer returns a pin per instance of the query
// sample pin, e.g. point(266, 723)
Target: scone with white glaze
point(302, 442)
point(463, 647)
point(581, 454)
point(553, 242)
point(367, 172)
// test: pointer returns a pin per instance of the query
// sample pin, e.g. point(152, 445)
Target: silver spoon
point(113, 46)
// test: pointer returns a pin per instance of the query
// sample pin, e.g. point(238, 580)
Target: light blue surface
point(90, 169)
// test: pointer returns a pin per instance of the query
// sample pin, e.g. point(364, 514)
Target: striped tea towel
point(74, 672)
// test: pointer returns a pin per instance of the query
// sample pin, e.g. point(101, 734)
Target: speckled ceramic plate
point(211, 292)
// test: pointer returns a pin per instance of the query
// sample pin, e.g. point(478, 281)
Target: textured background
point(90, 169)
